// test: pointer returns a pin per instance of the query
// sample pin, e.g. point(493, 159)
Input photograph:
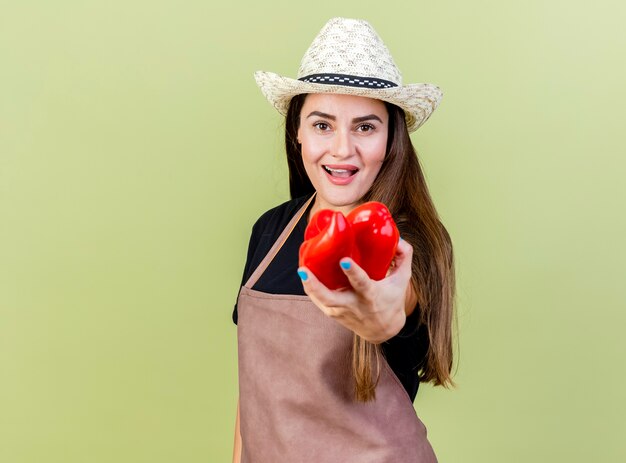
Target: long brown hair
point(401, 186)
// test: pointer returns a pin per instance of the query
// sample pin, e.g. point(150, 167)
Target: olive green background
point(136, 152)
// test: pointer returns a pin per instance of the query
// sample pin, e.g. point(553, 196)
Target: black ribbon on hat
point(348, 80)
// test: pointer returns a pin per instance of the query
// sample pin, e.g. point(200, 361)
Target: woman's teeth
point(343, 173)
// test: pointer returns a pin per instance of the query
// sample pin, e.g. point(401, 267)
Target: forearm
point(410, 302)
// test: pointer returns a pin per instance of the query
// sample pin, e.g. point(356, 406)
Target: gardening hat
point(348, 57)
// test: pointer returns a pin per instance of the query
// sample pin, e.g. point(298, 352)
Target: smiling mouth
point(341, 172)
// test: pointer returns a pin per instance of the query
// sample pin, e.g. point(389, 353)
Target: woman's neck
point(319, 204)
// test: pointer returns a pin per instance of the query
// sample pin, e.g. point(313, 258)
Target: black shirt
point(404, 352)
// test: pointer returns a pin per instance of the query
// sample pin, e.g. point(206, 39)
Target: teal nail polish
point(303, 275)
point(345, 265)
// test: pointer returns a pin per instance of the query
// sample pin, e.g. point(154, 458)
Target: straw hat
point(349, 57)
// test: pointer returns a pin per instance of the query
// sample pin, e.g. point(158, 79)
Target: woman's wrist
point(389, 330)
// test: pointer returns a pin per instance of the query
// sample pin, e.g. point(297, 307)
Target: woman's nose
point(342, 146)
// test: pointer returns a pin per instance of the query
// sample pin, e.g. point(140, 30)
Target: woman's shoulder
point(278, 216)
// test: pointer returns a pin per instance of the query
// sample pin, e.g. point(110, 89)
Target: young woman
point(331, 375)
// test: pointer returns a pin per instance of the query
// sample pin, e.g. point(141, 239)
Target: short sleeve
point(264, 232)
point(247, 271)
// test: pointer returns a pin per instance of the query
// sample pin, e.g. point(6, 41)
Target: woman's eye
point(321, 126)
point(365, 128)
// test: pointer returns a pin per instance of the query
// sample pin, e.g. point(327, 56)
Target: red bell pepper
point(376, 237)
point(328, 238)
point(368, 235)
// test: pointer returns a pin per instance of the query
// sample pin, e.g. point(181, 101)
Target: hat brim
point(417, 100)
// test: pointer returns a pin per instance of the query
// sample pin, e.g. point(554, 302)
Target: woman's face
point(343, 140)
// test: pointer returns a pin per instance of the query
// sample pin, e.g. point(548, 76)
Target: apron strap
point(277, 244)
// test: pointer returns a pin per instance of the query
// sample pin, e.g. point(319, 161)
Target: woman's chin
point(339, 200)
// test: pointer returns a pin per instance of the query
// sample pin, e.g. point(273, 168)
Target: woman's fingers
point(329, 301)
point(403, 260)
point(358, 278)
point(367, 306)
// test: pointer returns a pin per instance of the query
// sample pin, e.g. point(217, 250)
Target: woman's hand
point(375, 310)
